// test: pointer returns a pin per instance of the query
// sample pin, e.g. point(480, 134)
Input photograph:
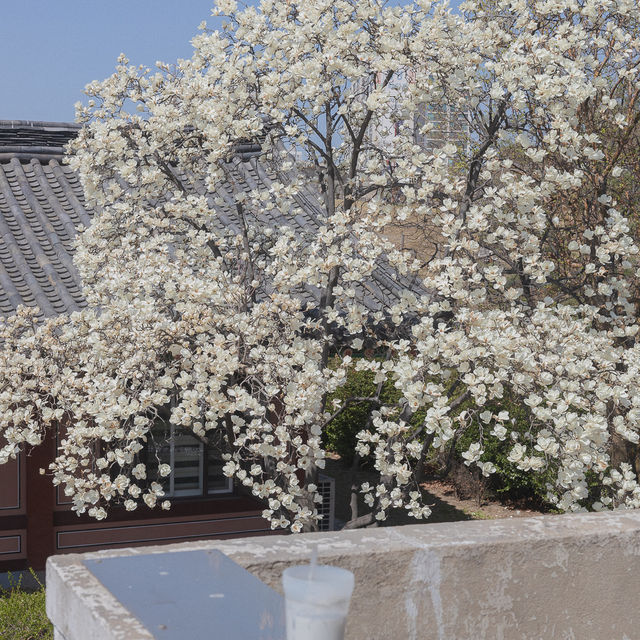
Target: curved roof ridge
point(38, 124)
point(26, 139)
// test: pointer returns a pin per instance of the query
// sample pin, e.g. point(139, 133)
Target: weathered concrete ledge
point(570, 576)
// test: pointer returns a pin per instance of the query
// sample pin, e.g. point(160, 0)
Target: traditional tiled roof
point(26, 140)
point(42, 206)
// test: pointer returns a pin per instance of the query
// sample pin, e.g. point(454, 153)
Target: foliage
point(341, 433)
point(508, 479)
point(529, 291)
point(22, 613)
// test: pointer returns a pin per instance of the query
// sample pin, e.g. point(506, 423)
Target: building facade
point(41, 208)
point(429, 126)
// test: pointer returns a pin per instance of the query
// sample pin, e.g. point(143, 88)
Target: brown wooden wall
point(13, 518)
point(113, 533)
point(36, 520)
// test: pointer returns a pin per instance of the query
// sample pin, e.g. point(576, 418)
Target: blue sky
point(50, 49)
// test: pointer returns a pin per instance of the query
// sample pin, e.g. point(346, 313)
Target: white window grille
point(327, 489)
point(195, 470)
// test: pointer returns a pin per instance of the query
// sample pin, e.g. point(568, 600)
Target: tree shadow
point(441, 511)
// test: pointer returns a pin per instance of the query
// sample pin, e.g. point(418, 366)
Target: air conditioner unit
point(327, 489)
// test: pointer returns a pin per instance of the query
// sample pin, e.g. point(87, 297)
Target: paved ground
point(446, 505)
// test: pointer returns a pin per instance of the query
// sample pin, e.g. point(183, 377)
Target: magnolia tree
point(530, 293)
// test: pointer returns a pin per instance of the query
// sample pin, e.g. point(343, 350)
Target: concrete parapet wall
point(566, 577)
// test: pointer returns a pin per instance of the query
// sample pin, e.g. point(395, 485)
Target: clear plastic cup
point(317, 601)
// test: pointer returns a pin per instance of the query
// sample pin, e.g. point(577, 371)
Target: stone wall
point(570, 577)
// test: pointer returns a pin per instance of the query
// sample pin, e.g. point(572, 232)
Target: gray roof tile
point(24, 140)
point(37, 227)
point(42, 208)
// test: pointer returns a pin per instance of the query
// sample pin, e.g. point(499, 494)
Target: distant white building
point(430, 126)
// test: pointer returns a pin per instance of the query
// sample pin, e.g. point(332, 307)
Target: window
point(196, 468)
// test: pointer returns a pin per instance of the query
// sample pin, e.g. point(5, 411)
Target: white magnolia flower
point(163, 470)
point(517, 303)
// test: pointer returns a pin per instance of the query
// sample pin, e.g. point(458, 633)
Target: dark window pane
point(216, 481)
point(187, 464)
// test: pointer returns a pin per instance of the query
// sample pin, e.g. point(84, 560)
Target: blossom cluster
point(236, 323)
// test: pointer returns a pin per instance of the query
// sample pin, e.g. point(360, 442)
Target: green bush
point(340, 435)
point(508, 480)
point(22, 613)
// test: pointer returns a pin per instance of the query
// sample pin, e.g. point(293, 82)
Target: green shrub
point(340, 435)
point(508, 480)
point(22, 613)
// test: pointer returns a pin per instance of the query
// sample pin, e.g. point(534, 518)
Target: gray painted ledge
point(568, 577)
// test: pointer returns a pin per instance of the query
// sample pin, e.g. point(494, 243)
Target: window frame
point(203, 491)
